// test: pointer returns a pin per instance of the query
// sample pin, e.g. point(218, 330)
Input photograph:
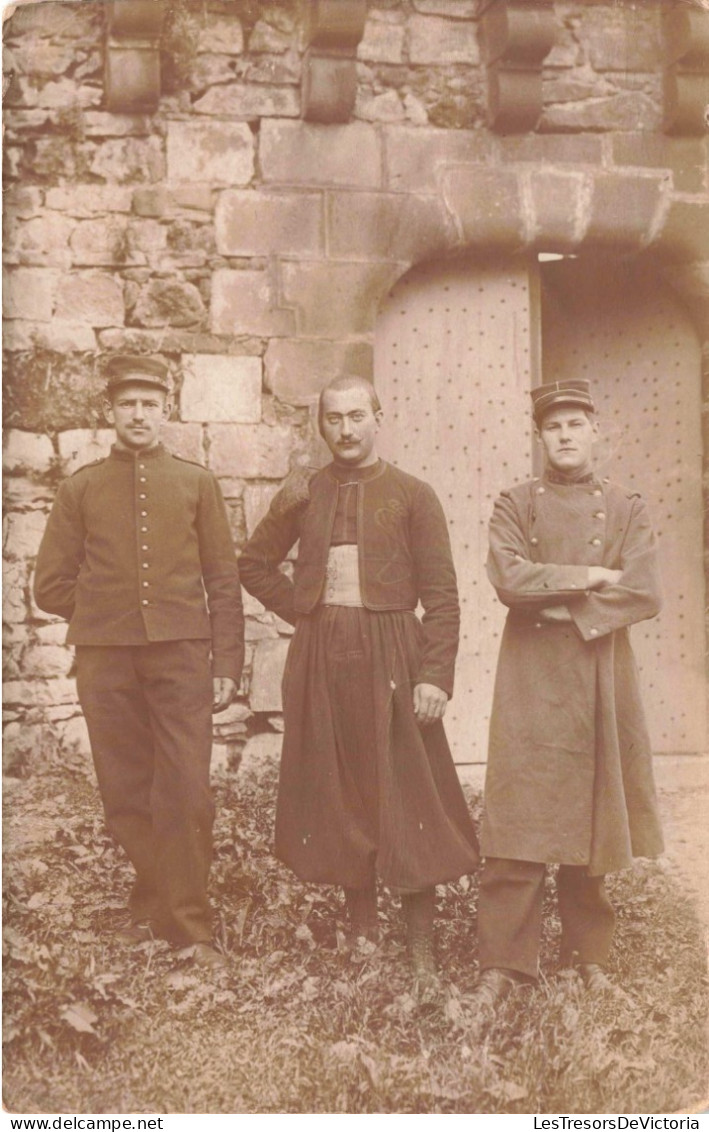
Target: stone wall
point(252, 248)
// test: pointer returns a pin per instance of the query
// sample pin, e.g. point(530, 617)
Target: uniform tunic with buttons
point(132, 545)
point(138, 557)
point(569, 777)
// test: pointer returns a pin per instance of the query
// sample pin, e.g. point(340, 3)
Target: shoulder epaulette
point(295, 490)
point(184, 460)
point(622, 488)
point(91, 464)
point(520, 489)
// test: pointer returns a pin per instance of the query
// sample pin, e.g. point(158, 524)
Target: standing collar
point(569, 481)
point(343, 474)
point(146, 453)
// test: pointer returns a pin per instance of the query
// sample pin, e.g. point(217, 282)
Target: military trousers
point(510, 915)
point(148, 710)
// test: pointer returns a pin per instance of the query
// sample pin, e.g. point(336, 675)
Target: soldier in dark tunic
point(367, 786)
point(133, 546)
point(569, 776)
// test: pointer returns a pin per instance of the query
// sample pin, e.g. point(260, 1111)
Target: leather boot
point(427, 985)
point(362, 915)
point(594, 977)
point(418, 909)
point(492, 988)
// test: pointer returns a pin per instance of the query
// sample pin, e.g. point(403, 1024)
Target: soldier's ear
point(108, 410)
point(167, 408)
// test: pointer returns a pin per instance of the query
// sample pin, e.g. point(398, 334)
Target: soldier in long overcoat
point(569, 777)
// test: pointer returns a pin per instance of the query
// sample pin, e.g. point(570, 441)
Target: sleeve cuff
point(588, 624)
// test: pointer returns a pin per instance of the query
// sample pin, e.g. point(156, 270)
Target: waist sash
point(342, 577)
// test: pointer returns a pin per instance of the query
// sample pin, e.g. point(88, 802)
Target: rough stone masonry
point(251, 246)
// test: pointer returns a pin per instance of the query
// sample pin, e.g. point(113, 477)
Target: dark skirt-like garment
point(363, 789)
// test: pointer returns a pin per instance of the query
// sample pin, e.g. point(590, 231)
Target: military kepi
point(576, 392)
point(124, 369)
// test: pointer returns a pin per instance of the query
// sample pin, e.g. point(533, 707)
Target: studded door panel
point(453, 363)
point(617, 326)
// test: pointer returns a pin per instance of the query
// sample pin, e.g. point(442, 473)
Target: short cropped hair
point(349, 381)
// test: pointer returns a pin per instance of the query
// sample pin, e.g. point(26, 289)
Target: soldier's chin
point(137, 442)
point(566, 464)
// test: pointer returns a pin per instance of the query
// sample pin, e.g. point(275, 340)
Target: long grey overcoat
point(569, 776)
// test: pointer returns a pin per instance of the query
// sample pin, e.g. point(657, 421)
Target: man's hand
point(429, 703)
point(223, 689)
point(601, 576)
point(555, 613)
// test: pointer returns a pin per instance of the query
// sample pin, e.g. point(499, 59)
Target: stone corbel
point(685, 36)
point(515, 36)
point(132, 57)
point(333, 29)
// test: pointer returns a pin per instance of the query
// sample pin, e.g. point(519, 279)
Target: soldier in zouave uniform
point(138, 557)
point(569, 776)
point(367, 786)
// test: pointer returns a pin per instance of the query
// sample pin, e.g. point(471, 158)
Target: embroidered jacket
point(404, 556)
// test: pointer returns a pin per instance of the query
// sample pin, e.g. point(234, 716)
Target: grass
point(298, 1025)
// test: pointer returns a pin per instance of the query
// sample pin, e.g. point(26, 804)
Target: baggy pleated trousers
point(364, 791)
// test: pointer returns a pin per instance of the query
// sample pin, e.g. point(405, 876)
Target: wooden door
point(616, 325)
point(454, 360)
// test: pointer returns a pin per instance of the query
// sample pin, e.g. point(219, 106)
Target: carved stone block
point(515, 38)
point(132, 79)
point(329, 87)
point(685, 39)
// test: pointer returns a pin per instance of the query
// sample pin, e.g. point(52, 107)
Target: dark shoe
point(427, 985)
point(206, 956)
point(594, 977)
point(492, 988)
point(494, 985)
point(135, 932)
point(369, 933)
